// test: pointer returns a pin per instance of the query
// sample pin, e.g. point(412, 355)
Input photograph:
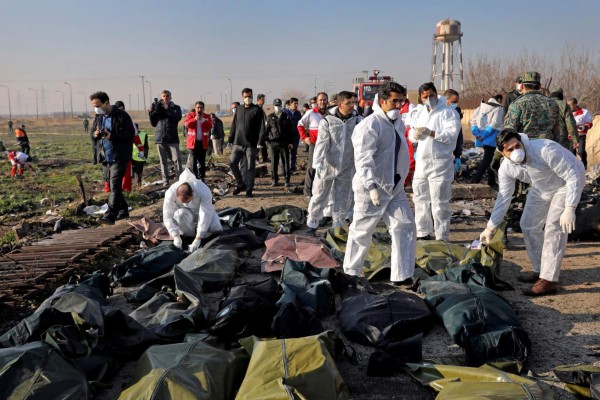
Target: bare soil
point(564, 329)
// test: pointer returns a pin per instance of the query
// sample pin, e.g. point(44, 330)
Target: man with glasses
point(381, 159)
point(246, 132)
point(164, 117)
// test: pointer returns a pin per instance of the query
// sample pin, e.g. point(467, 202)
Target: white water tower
point(447, 33)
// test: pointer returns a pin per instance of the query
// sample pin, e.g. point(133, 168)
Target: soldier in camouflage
point(533, 113)
point(512, 95)
point(568, 128)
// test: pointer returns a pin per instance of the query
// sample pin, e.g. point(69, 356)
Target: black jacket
point(165, 123)
point(279, 129)
point(248, 126)
point(458, 150)
point(217, 130)
point(121, 136)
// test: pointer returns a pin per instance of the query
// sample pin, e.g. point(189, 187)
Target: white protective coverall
point(333, 161)
point(375, 152)
point(557, 178)
point(434, 169)
point(197, 218)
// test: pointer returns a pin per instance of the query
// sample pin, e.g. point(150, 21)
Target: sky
point(193, 47)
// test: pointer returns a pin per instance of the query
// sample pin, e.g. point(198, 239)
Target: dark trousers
point(264, 153)
point(197, 160)
point(138, 170)
point(294, 152)
point(114, 173)
point(581, 150)
point(280, 151)
point(484, 165)
point(310, 172)
point(245, 176)
point(25, 147)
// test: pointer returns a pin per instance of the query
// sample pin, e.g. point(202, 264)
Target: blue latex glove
point(457, 164)
point(475, 131)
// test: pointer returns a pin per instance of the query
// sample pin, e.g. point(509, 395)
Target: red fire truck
point(366, 91)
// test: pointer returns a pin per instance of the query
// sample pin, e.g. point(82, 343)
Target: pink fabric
point(297, 248)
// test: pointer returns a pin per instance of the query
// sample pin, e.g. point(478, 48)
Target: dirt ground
point(564, 329)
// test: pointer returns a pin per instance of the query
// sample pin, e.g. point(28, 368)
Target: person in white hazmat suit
point(188, 211)
point(556, 178)
point(382, 162)
point(333, 162)
point(435, 127)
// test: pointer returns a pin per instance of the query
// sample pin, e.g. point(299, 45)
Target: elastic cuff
point(371, 187)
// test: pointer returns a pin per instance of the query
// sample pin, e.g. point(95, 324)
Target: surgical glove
point(195, 245)
point(487, 235)
point(457, 164)
point(177, 242)
point(141, 155)
point(374, 193)
point(422, 133)
point(567, 220)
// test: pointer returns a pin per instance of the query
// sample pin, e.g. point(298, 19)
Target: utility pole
point(143, 92)
point(63, 101)
point(220, 101)
point(9, 109)
point(316, 79)
point(130, 109)
point(84, 103)
point(37, 109)
point(150, 84)
point(139, 102)
point(230, 90)
point(70, 97)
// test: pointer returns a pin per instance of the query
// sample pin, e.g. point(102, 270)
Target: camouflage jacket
point(568, 127)
point(534, 114)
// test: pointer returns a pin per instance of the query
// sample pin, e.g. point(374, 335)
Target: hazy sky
point(192, 47)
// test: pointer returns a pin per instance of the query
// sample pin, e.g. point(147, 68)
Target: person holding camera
point(164, 117)
point(113, 133)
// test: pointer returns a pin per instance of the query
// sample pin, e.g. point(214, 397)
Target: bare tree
point(577, 71)
point(297, 93)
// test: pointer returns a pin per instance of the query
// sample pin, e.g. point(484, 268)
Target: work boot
point(107, 219)
point(325, 221)
point(528, 276)
point(407, 282)
point(123, 214)
point(311, 232)
point(541, 288)
point(249, 194)
point(428, 237)
point(238, 190)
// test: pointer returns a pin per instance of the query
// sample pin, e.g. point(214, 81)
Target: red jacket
point(191, 124)
point(308, 126)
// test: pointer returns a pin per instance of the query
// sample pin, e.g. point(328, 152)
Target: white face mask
point(517, 156)
point(393, 114)
point(277, 109)
point(98, 111)
point(431, 102)
point(247, 100)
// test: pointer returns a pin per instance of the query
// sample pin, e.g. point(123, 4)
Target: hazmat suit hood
point(489, 106)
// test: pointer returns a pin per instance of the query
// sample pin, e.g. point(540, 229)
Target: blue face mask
point(453, 105)
point(431, 102)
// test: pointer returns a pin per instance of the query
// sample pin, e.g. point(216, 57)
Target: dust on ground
point(564, 328)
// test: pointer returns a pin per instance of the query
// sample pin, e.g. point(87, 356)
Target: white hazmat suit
point(333, 161)
point(196, 218)
point(434, 168)
point(557, 178)
point(382, 162)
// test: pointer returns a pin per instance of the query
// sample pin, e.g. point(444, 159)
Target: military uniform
point(534, 114)
point(509, 99)
point(568, 129)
